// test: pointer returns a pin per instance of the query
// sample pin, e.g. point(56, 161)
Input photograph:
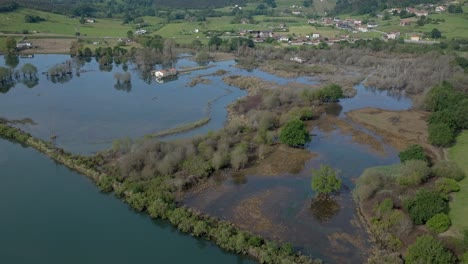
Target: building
point(315, 35)
point(164, 73)
point(415, 38)
point(141, 32)
point(23, 45)
point(298, 59)
point(284, 39)
point(393, 35)
point(417, 12)
point(362, 29)
point(440, 9)
point(90, 20)
point(406, 22)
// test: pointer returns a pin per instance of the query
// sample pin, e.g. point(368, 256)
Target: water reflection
point(11, 60)
point(324, 209)
point(30, 82)
point(333, 109)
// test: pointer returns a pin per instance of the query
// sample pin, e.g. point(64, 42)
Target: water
point(328, 230)
point(88, 111)
point(51, 214)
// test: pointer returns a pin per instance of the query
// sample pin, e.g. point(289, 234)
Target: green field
point(13, 22)
point(459, 205)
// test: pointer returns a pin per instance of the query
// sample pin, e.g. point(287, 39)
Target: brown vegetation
point(398, 128)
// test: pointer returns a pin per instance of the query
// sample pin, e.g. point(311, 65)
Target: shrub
point(428, 250)
point(105, 183)
point(441, 97)
point(369, 183)
point(294, 133)
point(446, 186)
point(441, 134)
point(239, 156)
point(331, 93)
point(304, 113)
point(158, 209)
point(413, 173)
point(425, 205)
point(413, 152)
point(439, 223)
point(448, 169)
point(196, 165)
point(446, 116)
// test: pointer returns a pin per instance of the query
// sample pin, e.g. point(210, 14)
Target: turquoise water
point(50, 214)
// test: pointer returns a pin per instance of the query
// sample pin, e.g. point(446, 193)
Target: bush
point(304, 113)
point(369, 183)
point(331, 93)
point(294, 133)
point(413, 152)
point(448, 169)
point(413, 173)
point(441, 134)
point(239, 156)
point(446, 186)
point(425, 205)
point(428, 250)
point(439, 223)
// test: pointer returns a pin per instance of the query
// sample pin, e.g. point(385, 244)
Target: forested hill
point(369, 6)
point(107, 8)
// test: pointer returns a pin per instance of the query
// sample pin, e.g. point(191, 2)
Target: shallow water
point(88, 111)
point(330, 231)
point(51, 214)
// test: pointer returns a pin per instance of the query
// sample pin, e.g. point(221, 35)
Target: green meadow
point(458, 206)
point(13, 22)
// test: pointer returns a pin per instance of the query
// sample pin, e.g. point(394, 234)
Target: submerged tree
point(325, 181)
point(29, 69)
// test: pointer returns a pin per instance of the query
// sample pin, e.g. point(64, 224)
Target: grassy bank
point(182, 128)
point(459, 210)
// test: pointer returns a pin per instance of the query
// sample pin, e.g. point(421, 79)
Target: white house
point(284, 38)
point(415, 38)
point(393, 35)
point(315, 35)
point(440, 9)
point(90, 20)
point(362, 29)
point(297, 59)
point(23, 45)
point(141, 32)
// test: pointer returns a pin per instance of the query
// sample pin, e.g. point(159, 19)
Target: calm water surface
point(50, 214)
point(333, 235)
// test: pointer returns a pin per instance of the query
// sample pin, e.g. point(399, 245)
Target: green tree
point(428, 250)
point(325, 180)
point(10, 44)
point(441, 134)
point(413, 152)
point(425, 205)
point(435, 33)
point(331, 93)
point(294, 133)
